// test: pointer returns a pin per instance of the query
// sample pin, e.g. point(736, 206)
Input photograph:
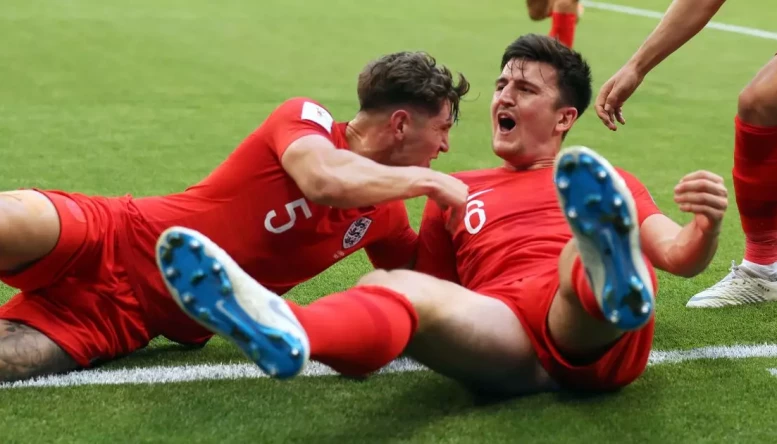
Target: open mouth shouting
point(506, 122)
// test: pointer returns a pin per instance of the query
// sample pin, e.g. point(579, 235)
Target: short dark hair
point(410, 78)
point(572, 71)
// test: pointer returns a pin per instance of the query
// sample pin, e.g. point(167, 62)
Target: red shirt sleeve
point(436, 253)
point(296, 118)
point(646, 206)
point(398, 248)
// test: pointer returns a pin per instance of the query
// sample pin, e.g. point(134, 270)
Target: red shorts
point(79, 294)
point(530, 300)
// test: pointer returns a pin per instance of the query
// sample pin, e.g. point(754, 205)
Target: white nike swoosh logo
point(472, 196)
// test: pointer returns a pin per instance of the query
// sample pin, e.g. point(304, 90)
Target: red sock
point(755, 182)
point(582, 288)
point(563, 27)
point(358, 331)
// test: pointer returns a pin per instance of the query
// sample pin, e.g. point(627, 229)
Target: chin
point(504, 149)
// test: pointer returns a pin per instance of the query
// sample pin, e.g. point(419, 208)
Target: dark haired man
point(299, 194)
point(549, 282)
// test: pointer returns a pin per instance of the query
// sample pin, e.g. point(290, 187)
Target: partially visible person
point(754, 280)
point(564, 16)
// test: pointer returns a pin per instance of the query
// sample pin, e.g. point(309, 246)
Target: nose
point(507, 96)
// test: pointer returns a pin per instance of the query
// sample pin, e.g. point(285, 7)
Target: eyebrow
point(503, 79)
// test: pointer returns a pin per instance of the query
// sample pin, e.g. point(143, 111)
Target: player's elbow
point(681, 266)
point(324, 189)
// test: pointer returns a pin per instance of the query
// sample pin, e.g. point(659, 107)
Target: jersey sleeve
point(646, 206)
point(398, 248)
point(297, 118)
point(436, 253)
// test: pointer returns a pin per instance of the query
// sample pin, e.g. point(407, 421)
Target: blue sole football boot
point(601, 212)
point(214, 291)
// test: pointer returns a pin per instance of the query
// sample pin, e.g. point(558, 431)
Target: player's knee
point(29, 228)
point(375, 277)
point(400, 281)
point(424, 292)
point(757, 105)
point(565, 5)
point(538, 9)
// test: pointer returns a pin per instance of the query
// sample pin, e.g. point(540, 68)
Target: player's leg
point(93, 314)
point(755, 178)
point(29, 228)
point(606, 285)
point(26, 352)
point(539, 9)
point(474, 338)
point(71, 324)
point(564, 18)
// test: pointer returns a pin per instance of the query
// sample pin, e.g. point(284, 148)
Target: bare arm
point(683, 20)
point(687, 251)
point(340, 178)
point(682, 251)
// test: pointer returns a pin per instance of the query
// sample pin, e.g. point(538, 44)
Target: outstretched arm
point(683, 20)
point(301, 135)
point(343, 179)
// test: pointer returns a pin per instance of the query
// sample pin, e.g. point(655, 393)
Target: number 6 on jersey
point(475, 207)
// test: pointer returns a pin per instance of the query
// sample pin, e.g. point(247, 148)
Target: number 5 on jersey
point(475, 208)
point(291, 209)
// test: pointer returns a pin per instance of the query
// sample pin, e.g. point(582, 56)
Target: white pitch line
point(202, 372)
point(713, 352)
point(753, 32)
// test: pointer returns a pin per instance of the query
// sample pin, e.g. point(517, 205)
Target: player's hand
point(450, 194)
point(703, 194)
point(609, 102)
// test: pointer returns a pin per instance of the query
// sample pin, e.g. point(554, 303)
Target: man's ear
point(400, 122)
point(567, 117)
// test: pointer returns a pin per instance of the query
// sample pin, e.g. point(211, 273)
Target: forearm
point(690, 252)
point(683, 20)
point(351, 181)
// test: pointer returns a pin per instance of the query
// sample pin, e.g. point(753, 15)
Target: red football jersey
point(514, 228)
point(254, 210)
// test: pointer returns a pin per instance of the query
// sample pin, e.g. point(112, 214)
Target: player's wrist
point(422, 181)
point(707, 235)
point(639, 65)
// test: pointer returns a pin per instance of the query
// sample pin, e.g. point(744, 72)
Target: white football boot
point(743, 285)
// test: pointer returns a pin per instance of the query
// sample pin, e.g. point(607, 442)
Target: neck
point(540, 156)
point(536, 164)
point(363, 135)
